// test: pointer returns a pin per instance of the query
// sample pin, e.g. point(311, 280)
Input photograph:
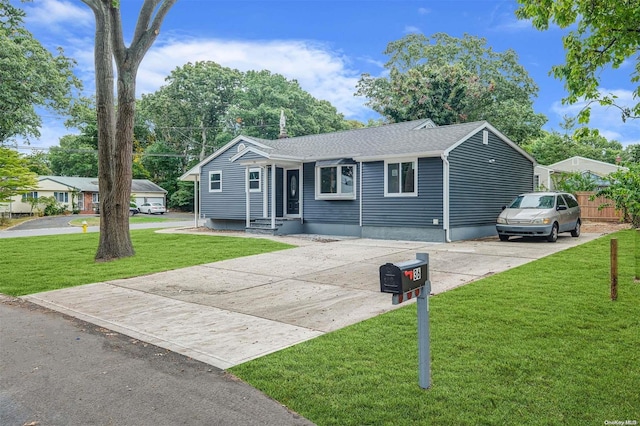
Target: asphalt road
point(48, 222)
point(58, 370)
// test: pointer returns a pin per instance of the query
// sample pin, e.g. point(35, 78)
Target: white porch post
point(265, 193)
point(273, 196)
point(301, 193)
point(196, 201)
point(247, 196)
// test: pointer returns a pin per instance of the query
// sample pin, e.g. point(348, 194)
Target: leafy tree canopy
point(603, 33)
point(30, 77)
point(624, 191)
point(453, 80)
point(553, 146)
point(15, 176)
point(76, 156)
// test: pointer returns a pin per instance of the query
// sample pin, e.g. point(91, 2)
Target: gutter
point(445, 196)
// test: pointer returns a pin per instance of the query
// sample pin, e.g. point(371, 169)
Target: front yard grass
point(35, 264)
point(540, 344)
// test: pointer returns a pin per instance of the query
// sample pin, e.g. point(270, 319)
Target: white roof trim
point(248, 150)
point(219, 152)
point(420, 154)
point(487, 125)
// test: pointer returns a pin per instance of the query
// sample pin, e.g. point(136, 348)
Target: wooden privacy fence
point(590, 209)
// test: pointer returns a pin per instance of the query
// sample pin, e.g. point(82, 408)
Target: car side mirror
point(504, 207)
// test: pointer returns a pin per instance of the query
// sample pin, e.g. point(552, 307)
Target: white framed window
point(95, 197)
point(401, 178)
point(215, 181)
point(255, 180)
point(61, 197)
point(336, 182)
point(29, 195)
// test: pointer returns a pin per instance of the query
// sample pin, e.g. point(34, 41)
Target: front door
point(293, 192)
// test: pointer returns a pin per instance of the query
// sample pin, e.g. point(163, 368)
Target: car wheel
point(553, 236)
point(503, 237)
point(576, 231)
point(131, 213)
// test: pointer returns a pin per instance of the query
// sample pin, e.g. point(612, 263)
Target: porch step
point(263, 227)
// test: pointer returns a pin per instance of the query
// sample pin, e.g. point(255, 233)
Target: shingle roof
point(90, 184)
point(390, 140)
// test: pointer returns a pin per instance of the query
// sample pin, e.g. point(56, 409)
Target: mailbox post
point(404, 281)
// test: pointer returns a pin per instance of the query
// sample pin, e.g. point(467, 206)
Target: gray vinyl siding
point(420, 211)
point(230, 203)
point(343, 212)
point(483, 178)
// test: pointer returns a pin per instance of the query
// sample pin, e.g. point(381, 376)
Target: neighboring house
point(410, 181)
point(81, 194)
point(597, 170)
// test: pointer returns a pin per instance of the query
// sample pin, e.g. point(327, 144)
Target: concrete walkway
point(229, 312)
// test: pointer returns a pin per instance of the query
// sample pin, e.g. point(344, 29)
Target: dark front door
point(293, 192)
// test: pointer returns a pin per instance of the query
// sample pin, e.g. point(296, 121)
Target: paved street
point(58, 370)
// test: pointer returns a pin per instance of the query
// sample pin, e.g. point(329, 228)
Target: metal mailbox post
point(404, 281)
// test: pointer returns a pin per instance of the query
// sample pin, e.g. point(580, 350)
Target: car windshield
point(533, 201)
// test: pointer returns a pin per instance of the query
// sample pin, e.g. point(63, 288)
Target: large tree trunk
point(115, 133)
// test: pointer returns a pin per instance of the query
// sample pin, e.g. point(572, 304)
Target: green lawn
point(35, 264)
point(541, 344)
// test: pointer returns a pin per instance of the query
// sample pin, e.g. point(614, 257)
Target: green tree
point(38, 162)
point(573, 182)
point(624, 191)
point(15, 176)
point(552, 147)
point(262, 97)
point(30, 77)
point(452, 80)
point(603, 34)
point(194, 104)
point(115, 126)
point(74, 157)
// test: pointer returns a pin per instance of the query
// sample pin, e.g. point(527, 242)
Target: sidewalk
point(230, 312)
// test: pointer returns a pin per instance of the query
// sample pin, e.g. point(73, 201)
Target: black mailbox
point(402, 277)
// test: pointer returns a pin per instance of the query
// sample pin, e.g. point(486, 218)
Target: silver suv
point(543, 214)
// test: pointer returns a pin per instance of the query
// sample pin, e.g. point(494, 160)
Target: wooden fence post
point(614, 269)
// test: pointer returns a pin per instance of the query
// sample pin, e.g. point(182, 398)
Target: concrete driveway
point(229, 312)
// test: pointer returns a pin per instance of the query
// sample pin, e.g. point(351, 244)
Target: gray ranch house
point(406, 181)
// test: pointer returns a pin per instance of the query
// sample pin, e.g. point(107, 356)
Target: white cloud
point(607, 119)
point(323, 73)
point(410, 29)
point(58, 14)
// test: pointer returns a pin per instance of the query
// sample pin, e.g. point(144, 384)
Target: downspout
point(196, 201)
point(247, 197)
point(445, 196)
point(360, 182)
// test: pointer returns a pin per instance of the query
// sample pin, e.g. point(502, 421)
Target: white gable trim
point(487, 125)
point(194, 171)
point(248, 150)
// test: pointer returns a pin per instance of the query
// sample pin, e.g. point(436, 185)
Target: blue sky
point(325, 45)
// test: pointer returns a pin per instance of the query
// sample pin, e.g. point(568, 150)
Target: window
point(571, 201)
point(95, 197)
point(215, 181)
point(61, 197)
point(254, 180)
point(29, 196)
point(335, 182)
point(400, 178)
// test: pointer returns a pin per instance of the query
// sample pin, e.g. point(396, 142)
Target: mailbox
point(399, 278)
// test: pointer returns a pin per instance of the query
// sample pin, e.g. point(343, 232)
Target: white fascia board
point(248, 150)
point(422, 154)
point(220, 151)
